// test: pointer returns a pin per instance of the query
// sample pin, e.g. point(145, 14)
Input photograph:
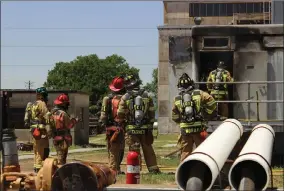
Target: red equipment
point(204, 135)
point(117, 84)
point(133, 168)
point(62, 99)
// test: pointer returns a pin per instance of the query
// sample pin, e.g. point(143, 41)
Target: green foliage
point(89, 74)
point(152, 86)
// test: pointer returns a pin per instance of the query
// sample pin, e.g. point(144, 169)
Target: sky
point(127, 28)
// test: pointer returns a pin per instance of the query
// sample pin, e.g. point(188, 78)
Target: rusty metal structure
point(69, 177)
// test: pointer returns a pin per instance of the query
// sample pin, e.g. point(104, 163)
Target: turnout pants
point(61, 151)
point(222, 108)
point(115, 150)
point(187, 142)
point(145, 141)
point(41, 151)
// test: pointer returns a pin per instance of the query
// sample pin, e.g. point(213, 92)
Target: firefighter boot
point(36, 170)
point(154, 171)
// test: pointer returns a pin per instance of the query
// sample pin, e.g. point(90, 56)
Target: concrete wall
point(250, 66)
point(277, 12)
point(82, 110)
point(275, 91)
point(78, 102)
point(167, 78)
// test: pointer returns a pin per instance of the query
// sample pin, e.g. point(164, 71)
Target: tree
point(152, 86)
point(89, 74)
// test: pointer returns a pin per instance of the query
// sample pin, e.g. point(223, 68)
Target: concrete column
point(163, 84)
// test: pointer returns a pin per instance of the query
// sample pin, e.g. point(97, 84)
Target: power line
point(73, 46)
point(133, 65)
point(78, 28)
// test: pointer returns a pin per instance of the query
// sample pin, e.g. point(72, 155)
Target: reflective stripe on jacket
point(203, 103)
point(39, 112)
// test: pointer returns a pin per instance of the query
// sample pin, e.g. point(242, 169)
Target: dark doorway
point(208, 62)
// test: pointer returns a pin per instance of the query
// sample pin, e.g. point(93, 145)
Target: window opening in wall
point(215, 42)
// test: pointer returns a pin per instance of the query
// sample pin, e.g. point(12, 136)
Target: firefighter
point(62, 123)
point(191, 108)
point(137, 108)
point(36, 119)
point(114, 126)
point(220, 91)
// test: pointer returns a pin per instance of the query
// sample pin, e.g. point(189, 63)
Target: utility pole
point(29, 84)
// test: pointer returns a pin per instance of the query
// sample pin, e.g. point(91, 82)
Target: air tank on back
point(219, 75)
point(138, 108)
point(188, 109)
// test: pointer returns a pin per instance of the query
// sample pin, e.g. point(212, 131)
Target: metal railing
point(248, 101)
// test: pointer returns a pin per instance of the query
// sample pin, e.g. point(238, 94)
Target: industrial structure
point(79, 106)
point(223, 12)
point(252, 53)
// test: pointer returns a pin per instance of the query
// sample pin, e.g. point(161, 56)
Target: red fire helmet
point(61, 99)
point(117, 84)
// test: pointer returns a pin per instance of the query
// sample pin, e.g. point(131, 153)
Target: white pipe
point(256, 153)
point(213, 153)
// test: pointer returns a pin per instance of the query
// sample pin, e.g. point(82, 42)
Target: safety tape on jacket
point(218, 92)
point(193, 130)
point(130, 127)
point(133, 169)
point(190, 125)
point(40, 126)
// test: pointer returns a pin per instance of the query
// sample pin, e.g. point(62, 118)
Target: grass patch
point(169, 161)
point(164, 179)
point(278, 168)
point(52, 149)
point(169, 179)
point(98, 139)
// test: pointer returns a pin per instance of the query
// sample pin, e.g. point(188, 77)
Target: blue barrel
point(10, 150)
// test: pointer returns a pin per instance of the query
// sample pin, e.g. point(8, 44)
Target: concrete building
point(241, 46)
point(79, 106)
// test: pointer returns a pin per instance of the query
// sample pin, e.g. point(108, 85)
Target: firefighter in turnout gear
point(137, 108)
point(190, 110)
point(220, 91)
point(115, 132)
point(62, 123)
point(37, 120)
